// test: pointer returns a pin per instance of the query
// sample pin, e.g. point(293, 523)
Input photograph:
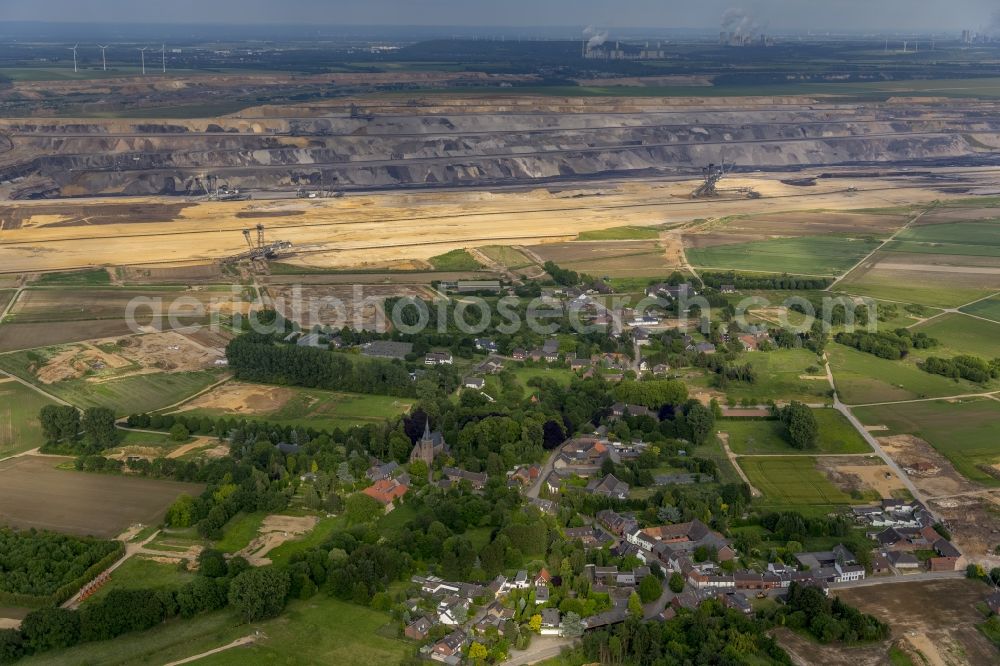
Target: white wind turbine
point(104, 58)
point(142, 55)
point(73, 49)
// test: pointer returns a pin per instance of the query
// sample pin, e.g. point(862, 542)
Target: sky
point(776, 15)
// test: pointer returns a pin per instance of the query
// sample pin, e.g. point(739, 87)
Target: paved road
point(543, 474)
point(894, 580)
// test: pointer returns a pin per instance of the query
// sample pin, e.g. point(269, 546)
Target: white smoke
point(740, 22)
point(594, 36)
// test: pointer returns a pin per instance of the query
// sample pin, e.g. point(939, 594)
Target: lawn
point(864, 378)
point(456, 260)
point(240, 531)
point(139, 572)
point(319, 630)
point(324, 528)
point(806, 255)
point(19, 426)
point(562, 376)
point(964, 432)
point(961, 335)
point(620, 233)
point(779, 377)
point(750, 436)
point(988, 308)
point(789, 481)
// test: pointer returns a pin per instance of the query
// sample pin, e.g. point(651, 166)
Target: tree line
point(967, 367)
point(892, 345)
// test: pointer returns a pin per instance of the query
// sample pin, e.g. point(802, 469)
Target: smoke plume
point(740, 22)
point(594, 36)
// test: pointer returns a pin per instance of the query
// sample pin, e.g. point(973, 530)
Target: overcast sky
point(775, 14)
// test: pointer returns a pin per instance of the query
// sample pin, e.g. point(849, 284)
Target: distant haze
point(777, 15)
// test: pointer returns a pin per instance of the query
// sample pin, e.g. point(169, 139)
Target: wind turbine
point(73, 49)
point(104, 58)
point(163, 55)
point(142, 55)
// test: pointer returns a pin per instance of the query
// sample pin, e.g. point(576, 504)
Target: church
point(428, 447)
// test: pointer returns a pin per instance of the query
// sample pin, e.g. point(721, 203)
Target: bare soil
point(274, 531)
point(907, 450)
point(241, 398)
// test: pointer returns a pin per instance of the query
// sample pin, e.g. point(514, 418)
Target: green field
point(779, 377)
point(965, 432)
point(562, 376)
point(508, 256)
point(792, 481)
point(19, 427)
point(240, 531)
point(946, 291)
point(140, 572)
point(750, 436)
point(90, 278)
point(319, 630)
point(988, 308)
point(864, 378)
point(456, 260)
point(314, 408)
point(961, 335)
point(979, 238)
point(620, 233)
point(807, 255)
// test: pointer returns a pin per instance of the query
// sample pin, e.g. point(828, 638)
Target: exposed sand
point(274, 531)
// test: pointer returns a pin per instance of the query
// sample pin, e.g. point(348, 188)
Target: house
point(550, 346)
point(620, 409)
point(418, 629)
point(609, 486)
point(438, 358)
point(737, 601)
point(312, 340)
point(453, 610)
point(519, 354)
point(477, 383)
point(670, 291)
point(543, 578)
point(490, 366)
point(428, 447)
point(455, 475)
point(386, 492)
point(749, 343)
point(449, 649)
point(703, 348)
point(618, 524)
point(948, 556)
point(661, 369)
point(727, 289)
point(546, 506)
point(902, 560)
point(554, 481)
point(485, 344)
point(380, 471)
point(387, 349)
point(520, 581)
point(542, 594)
point(590, 535)
point(682, 538)
point(583, 454)
point(838, 565)
point(551, 620)
point(473, 286)
point(526, 474)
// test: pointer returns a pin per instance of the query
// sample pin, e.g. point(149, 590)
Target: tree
point(676, 582)
point(212, 563)
point(535, 623)
point(49, 628)
point(99, 427)
point(11, 646)
point(477, 652)
point(179, 432)
point(635, 606)
point(572, 625)
point(259, 593)
point(800, 423)
point(701, 421)
point(649, 589)
point(181, 512)
point(60, 423)
point(360, 508)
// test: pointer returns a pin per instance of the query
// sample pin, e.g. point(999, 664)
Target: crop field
point(864, 378)
point(780, 377)
point(127, 395)
point(5, 297)
point(988, 308)
point(806, 255)
point(71, 304)
point(612, 258)
point(964, 432)
point(508, 256)
point(836, 435)
point(973, 238)
point(961, 335)
point(848, 224)
point(620, 233)
point(28, 336)
point(294, 406)
point(19, 427)
point(33, 493)
point(792, 481)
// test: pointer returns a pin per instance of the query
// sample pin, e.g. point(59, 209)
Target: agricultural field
point(611, 258)
point(806, 255)
point(5, 297)
point(977, 238)
point(864, 378)
point(455, 260)
point(750, 436)
point(889, 277)
point(294, 406)
point(620, 233)
point(14, 337)
point(58, 304)
point(846, 223)
point(964, 432)
point(34, 493)
point(792, 481)
point(988, 308)
point(19, 427)
point(961, 335)
point(358, 306)
point(507, 256)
